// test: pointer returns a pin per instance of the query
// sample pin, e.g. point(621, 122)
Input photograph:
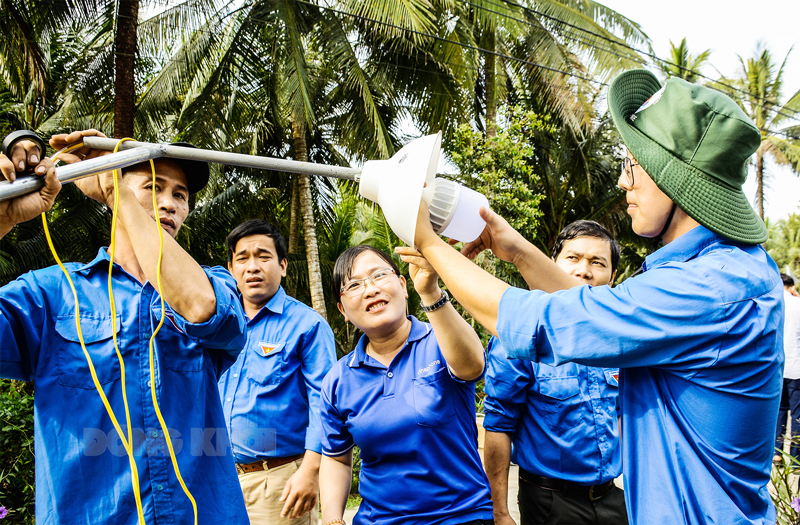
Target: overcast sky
point(729, 28)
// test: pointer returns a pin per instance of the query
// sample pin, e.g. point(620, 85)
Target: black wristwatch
point(23, 134)
point(438, 304)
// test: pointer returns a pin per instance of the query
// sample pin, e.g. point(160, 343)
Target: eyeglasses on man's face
point(627, 168)
point(379, 278)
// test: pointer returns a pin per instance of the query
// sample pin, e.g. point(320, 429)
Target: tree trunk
point(760, 181)
point(491, 86)
point(124, 66)
point(294, 221)
point(307, 210)
point(294, 229)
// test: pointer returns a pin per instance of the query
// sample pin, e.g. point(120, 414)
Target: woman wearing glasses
point(405, 396)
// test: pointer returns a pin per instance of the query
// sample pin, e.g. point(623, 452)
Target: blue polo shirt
point(82, 471)
point(562, 419)
point(698, 338)
point(270, 395)
point(415, 425)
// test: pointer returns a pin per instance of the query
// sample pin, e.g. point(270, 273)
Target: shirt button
point(235, 375)
point(160, 486)
point(149, 383)
point(154, 434)
point(227, 399)
point(390, 374)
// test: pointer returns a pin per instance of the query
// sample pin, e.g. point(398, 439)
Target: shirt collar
point(685, 247)
point(359, 355)
point(274, 305)
point(101, 258)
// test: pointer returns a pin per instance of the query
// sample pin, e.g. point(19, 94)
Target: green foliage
point(16, 450)
point(783, 244)
point(356, 470)
point(784, 488)
point(502, 168)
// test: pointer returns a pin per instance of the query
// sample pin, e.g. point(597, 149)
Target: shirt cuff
point(499, 423)
point(313, 441)
point(224, 309)
point(518, 322)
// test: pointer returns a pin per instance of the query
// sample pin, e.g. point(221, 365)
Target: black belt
point(592, 492)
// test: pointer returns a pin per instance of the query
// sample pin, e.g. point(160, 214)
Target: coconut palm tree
point(276, 77)
point(683, 64)
point(758, 89)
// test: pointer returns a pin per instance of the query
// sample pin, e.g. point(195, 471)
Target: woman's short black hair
point(787, 280)
point(582, 228)
point(343, 268)
point(255, 227)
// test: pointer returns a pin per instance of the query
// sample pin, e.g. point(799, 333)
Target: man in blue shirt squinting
point(83, 473)
point(562, 420)
point(271, 394)
point(697, 335)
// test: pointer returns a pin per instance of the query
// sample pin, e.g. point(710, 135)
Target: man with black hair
point(561, 420)
point(271, 394)
point(82, 473)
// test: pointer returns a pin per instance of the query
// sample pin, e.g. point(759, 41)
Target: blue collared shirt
point(698, 337)
point(415, 425)
point(270, 396)
point(82, 471)
point(562, 419)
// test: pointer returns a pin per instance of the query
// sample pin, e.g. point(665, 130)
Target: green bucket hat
point(695, 143)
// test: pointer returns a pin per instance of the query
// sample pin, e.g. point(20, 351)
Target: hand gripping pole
point(136, 152)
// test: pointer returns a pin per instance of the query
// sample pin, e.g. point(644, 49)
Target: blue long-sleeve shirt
point(562, 419)
point(698, 337)
point(82, 471)
point(270, 395)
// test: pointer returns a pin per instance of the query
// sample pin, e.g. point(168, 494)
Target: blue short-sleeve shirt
point(415, 425)
point(562, 419)
point(698, 339)
point(270, 395)
point(82, 471)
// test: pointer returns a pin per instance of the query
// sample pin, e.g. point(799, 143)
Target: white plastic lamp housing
point(455, 210)
point(396, 184)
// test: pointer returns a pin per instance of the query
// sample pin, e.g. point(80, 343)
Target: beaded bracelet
point(336, 521)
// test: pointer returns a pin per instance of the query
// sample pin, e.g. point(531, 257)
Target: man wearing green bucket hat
point(696, 335)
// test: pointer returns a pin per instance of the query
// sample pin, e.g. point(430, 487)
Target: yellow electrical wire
point(126, 443)
point(152, 344)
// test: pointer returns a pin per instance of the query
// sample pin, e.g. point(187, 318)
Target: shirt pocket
point(433, 399)
point(264, 362)
point(556, 400)
point(73, 368)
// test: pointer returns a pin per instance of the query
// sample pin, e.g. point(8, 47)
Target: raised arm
point(185, 286)
point(474, 288)
point(24, 156)
point(460, 345)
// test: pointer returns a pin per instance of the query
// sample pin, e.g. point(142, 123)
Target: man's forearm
point(185, 286)
point(474, 288)
point(541, 272)
point(497, 458)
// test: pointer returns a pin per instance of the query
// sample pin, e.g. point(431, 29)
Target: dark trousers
point(790, 402)
point(538, 506)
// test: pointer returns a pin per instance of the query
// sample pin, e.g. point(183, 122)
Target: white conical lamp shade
point(396, 184)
